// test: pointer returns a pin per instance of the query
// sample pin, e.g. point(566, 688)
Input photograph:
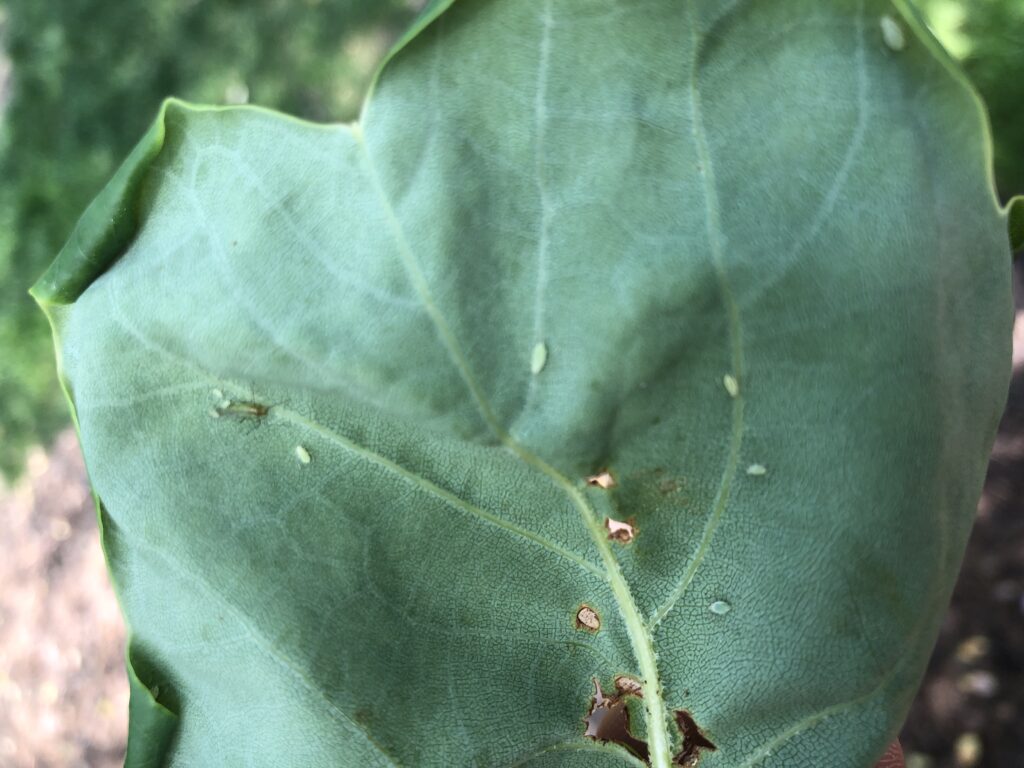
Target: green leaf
point(651, 339)
point(152, 724)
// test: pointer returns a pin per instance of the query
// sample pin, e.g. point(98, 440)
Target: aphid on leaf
point(731, 384)
point(539, 358)
point(892, 33)
point(720, 607)
point(243, 409)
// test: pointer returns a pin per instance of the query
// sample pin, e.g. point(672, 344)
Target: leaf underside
point(340, 389)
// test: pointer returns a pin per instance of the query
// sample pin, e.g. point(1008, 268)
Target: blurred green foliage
point(88, 77)
point(987, 36)
point(90, 74)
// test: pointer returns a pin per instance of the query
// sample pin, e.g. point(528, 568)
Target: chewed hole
point(619, 530)
point(694, 740)
point(602, 480)
point(587, 619)
point(608, 720)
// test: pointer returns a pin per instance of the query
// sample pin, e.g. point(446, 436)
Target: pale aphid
point(217, 394)
point(720, 607)
point(732, 386)
point(757, 470)
point(302, 455)
point(892, 33)
point(539, 358)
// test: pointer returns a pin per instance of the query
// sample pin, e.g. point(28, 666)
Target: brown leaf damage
point(694, 740)
point(608, 720)
point(628, 686)
point(603, 480)
point(622, 531)
point(587, 618)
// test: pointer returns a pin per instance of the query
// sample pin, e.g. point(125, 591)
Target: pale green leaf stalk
point(651, 341)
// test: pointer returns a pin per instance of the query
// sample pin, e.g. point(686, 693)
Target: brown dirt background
point(64, 697)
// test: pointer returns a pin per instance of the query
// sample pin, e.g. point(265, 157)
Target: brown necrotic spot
point(629, 686)
point(620, 531)
point(694, 740)
point(608, 720)
point(587, 618)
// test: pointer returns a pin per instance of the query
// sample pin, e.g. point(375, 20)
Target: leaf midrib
point(636, 627)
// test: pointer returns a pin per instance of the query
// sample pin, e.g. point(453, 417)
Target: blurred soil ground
point(970, 710)
point(64, 698)
point(63, 691)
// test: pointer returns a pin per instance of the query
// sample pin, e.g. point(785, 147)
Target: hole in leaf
point(608, 720)
point(694, 740)
point(587, 618)
point(602, 480)
point(620, 531)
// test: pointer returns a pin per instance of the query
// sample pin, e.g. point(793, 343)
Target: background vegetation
point(88, 76)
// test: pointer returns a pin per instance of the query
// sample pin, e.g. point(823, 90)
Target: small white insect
point(757, 470)
point(539, 358)
point(217, 394)
point(892, 33)
point(720, 607)
point(214, 413)
point(302, 455)
point(732, 386)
